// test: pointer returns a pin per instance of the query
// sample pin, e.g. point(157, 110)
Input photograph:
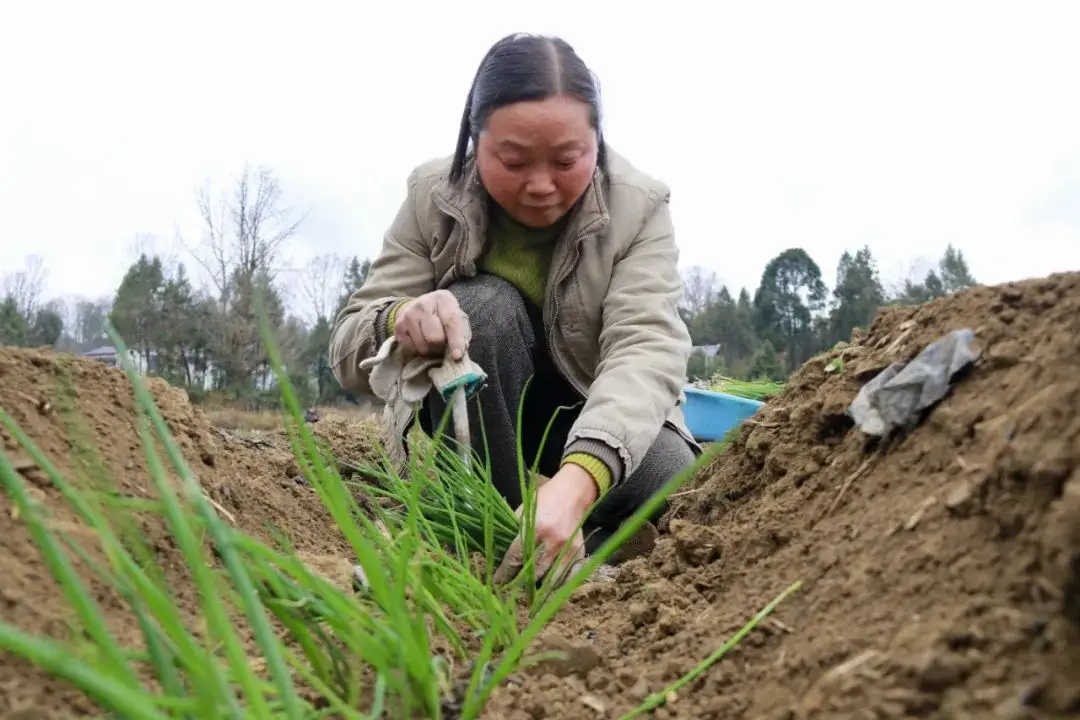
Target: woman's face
point(537, 158)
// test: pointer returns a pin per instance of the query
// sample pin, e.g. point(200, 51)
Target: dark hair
point(523, 68)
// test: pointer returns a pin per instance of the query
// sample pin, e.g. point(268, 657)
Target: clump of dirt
point(354, 438)
point(74, 408)
point(940, 569)
point(354, 441)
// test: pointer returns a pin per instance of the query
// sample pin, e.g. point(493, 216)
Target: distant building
point(105, 353)
point(108, 355)
point(204, 378)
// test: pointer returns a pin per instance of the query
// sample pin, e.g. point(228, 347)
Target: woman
point(562, 257)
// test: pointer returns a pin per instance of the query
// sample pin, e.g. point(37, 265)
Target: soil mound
point(69, 406)
point(940, 569)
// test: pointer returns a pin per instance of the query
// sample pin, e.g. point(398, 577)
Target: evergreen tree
point(790, 295)
point(767, 364)
point(14, 330)
point(136, 311)
point(355, 276)
point(858, 294)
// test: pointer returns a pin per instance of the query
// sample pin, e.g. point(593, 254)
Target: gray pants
point(508, 342)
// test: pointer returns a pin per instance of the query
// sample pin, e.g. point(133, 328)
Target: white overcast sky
point(825, 125)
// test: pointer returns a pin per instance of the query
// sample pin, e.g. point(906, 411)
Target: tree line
point(793, 315)
point(205, 336)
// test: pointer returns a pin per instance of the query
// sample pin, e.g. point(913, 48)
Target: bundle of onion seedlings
point(750, 389)
point(459, 505)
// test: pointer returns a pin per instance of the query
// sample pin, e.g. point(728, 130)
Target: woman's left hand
point(562, 501)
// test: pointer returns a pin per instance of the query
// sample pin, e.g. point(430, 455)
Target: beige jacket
point(610, 309)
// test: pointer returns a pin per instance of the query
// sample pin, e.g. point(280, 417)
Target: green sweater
point(521, 255)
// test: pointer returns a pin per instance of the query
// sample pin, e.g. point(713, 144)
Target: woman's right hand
point(430, 324)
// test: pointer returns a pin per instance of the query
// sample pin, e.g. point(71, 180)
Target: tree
point(24, 320)
point(292, 338)
point(14, 330)
point(243, 235)
point(136, 312)
point(790, 295)
point(181, 339)
point(87, 328)
point(951, 275)
point(724, 323)
point(858, 294)
point(244, 230)
point(152, 246)
point(318, 357)
point(355, 276)
point(323, 281)
point(703, 367)
point(163, 318)
point(711, 323)
point(198, 352)
point(699, 287)
point(239, 353)
point(916, 293)
point(25, 287)
point(328, 281)
point(953, 268)
point(766, 364)
point(47, 326)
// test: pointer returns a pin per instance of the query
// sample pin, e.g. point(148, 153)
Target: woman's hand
point(562, 501)
point(430, 324)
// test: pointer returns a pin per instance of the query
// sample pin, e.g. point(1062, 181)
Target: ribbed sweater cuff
point(597, 458)
point(384, 320)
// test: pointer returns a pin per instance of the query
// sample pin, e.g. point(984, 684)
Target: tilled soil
point(940, 569)
point(81, 413)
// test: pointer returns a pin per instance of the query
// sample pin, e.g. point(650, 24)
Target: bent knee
point(492, 304)
point(669, 455)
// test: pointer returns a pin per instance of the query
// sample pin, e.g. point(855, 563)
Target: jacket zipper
point(559, 279)
point(565, 273)
point(462, 248)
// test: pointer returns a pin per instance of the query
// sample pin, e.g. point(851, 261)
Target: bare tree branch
point(912, 272)
point(215, 259)
point(151, 246)
point(699, 287)
point(322, 281)
point(244, 231)
point(26, 286)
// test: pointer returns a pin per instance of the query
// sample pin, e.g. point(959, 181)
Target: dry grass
point(240, 419)
point(228, 418)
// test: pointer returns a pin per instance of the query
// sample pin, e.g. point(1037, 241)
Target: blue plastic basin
point(710, 415)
